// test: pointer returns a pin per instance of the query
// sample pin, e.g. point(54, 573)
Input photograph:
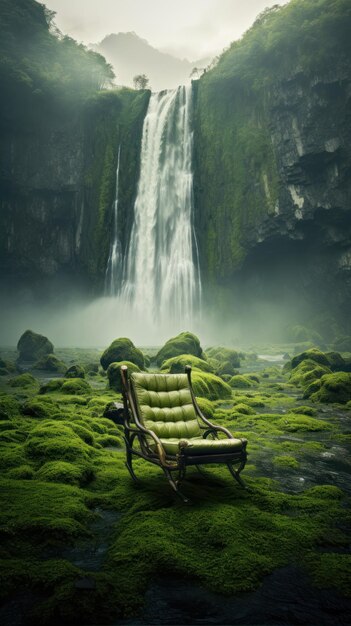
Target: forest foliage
point(38, 65)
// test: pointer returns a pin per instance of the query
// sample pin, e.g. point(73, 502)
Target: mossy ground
point(62, 465)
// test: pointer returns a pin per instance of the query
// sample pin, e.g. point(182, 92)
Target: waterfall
point(114, 264)
point(161, 273)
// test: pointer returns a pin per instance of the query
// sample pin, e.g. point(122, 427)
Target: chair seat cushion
point(197, 446)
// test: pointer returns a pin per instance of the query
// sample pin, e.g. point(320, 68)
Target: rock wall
point(273, 188)
point(57, 189)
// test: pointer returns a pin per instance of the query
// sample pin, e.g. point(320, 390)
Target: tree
point(140, 81)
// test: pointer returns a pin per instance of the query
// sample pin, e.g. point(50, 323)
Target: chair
point(160, 412)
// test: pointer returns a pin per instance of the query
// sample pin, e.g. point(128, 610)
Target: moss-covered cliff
point(60, 134)
point(273, 158)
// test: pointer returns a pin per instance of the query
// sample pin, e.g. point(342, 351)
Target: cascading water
point(161, 275)
point(114, 263)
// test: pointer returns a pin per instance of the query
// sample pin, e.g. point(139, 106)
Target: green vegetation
point(75, 371)
point(122, 349)
point(114, 374)
point(236, 169)
point(50, 363)
point(184, 343)
point(176, 365)
point(62, 465)
point(38, 67)
point(331, 388)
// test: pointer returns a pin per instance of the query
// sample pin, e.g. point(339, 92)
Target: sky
point(190, 29)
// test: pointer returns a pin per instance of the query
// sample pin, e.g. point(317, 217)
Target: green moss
point(50, 363)
point(37, 507)
point(295, 423)
point(56, 441)
point(176, 365)
point(241, 381)
point(12, 455)
point(312, 355)
point(245, 409)
point(331, 570)
point(64, 472)
point(307, 372)
point(23, 472)
point(23, 380)
point(39, 408)
point(209, 386)
point(304, 410)
point(184, 343)
point(75, 371)
point(71, 386)
point(224, 355)
point(120, 350)
point(114, 374)
point(332, 388)
point(285, 462)
point(207, 407)
point(9, 407)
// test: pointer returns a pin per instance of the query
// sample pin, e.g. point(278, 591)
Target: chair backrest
point(164, 405)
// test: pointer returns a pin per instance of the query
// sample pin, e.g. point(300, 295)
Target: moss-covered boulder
point(184, 343)
point(50, 363)
point(226, 369)
point(224, 355)
point(241, 381)
point(177, 364)
point(70, 386)
point(32, 346)
point(331, 388)
point(75, 371)
point(114, 374)
point(42, 408)
point(209, 386)
point(313, 355)
point(122, 349)
point(306, 372)
point(23, 380)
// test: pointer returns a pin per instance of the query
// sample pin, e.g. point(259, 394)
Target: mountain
point(130, 55)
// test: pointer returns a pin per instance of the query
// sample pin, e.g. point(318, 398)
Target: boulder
point(75, 371)
point(114, 374)
point(122, 349)
point(184, 343)
point(32, 346)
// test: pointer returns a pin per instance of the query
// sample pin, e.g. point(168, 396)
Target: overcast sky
point(187, 28)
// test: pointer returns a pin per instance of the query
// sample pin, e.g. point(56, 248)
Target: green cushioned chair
point(160, 412)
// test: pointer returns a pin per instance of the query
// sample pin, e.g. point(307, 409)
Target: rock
point(122, 349)
point(225, 355)
point(184, 343)
point(313, 354)
point(75, 371)
point(331, 388)
point(177, 364)
point(241, 381)
point(50, 363)
point(114, 374)
point(32, 346)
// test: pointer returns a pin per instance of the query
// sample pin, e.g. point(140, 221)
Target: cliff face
point(273, 171)
point(58, 185)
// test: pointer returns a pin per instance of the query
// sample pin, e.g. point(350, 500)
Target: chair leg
point(174, 485)
point(129, 462)
point(236, 473)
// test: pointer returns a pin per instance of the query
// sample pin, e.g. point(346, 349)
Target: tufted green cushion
point(165, 405)
point(197, 445)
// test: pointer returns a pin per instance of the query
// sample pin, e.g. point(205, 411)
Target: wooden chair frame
point(135, 431)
